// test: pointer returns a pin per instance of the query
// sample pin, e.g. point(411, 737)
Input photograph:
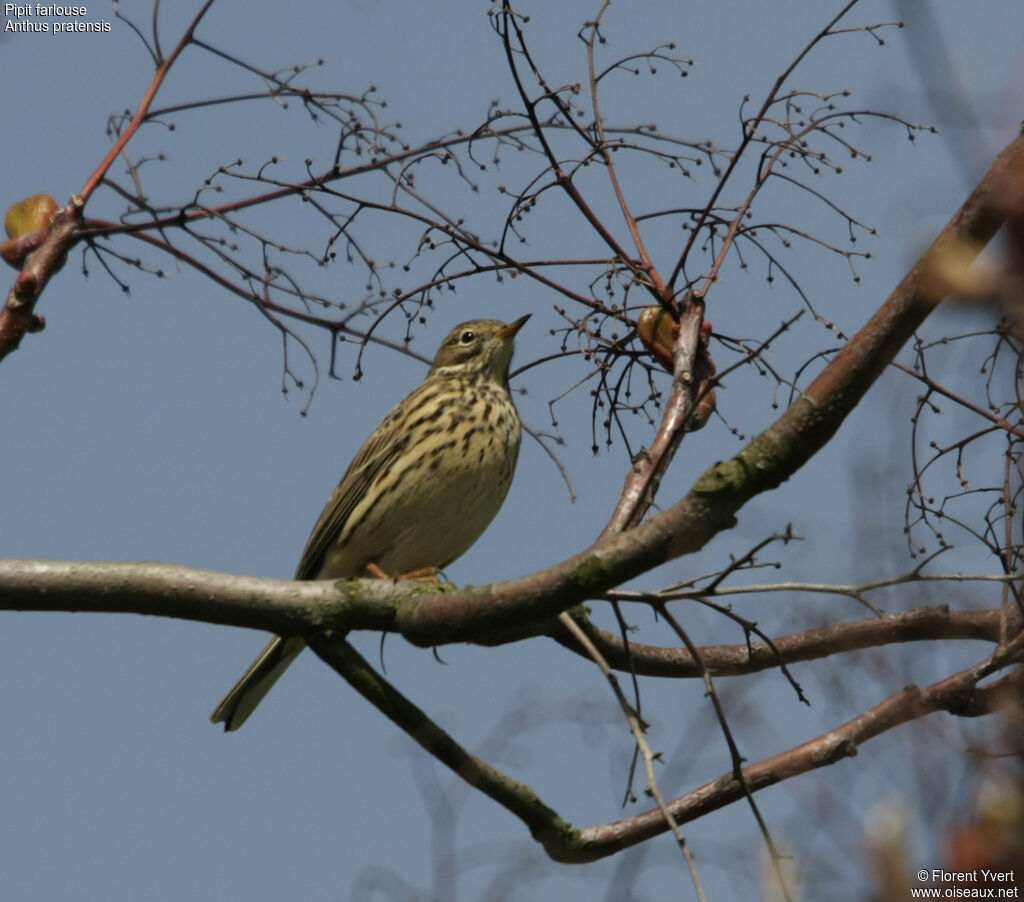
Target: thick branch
point(286, 607)
point(170, 590)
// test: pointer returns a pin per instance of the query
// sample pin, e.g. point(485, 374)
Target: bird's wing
point(378, 452)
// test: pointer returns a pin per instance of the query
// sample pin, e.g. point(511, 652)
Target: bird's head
point(479, 345)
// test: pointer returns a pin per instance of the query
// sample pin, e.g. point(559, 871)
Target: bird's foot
point(423, 575)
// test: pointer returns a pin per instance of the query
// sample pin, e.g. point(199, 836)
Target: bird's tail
point(257, 681)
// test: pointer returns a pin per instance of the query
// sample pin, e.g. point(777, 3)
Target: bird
point(419, 492)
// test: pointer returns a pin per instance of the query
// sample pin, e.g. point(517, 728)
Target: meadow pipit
point(421, 490)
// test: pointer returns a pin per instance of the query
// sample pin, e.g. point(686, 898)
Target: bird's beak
point(512, 328)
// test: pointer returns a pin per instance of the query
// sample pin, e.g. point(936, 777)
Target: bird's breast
point(435, 498)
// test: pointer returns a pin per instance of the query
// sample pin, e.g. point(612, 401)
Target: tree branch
point(307, 607)
point(921, 625)
point(958, 695)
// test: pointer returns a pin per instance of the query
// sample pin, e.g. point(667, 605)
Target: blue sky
point(151, 426)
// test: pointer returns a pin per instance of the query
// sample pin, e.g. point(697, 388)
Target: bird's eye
point(467, 337)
